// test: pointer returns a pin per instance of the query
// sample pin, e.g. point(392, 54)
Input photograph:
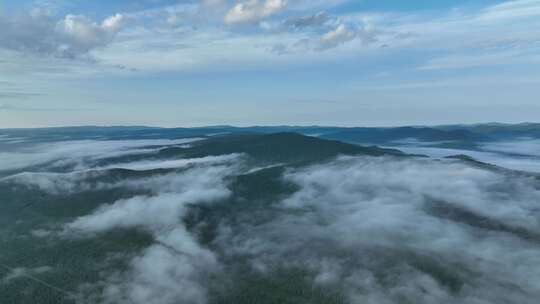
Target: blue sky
point(247, 62)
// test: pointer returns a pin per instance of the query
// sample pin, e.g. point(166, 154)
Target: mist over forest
point(270, 215)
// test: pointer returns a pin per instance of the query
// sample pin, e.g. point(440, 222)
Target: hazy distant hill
point(465, 134)
point(277, 147)
point(384, 135)
point(498, 130)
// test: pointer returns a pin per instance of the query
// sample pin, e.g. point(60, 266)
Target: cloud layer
point(371, 230)
point(387, 230)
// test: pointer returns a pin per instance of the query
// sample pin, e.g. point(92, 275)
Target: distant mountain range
point(448, 135)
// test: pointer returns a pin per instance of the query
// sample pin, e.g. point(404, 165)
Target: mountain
point(264, 148)
point(385, 135)
point(463, 134)
point(498, 131)
point(280, 147)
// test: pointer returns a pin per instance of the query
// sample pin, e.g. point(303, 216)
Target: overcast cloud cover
point(364, 62)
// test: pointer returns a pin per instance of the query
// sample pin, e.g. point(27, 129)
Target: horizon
point(279, 125)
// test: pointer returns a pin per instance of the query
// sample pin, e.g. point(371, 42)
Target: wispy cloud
point(18, 108)
point(17, 95)
point(173, 163)
point(80, 153)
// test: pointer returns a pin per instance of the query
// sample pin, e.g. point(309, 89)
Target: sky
point(268, 62)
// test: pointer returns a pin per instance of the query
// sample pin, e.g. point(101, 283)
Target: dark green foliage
point(272, 148)
point(385, 135)
point(282, 286)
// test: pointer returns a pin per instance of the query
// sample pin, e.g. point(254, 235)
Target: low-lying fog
point(523, 154)
point(371, 229)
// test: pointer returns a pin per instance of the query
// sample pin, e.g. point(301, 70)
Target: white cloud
point(89, 180)
point(165, 209)
point(72, 37)
point(173, 163)
point(22, 272)
point(40, 233)
point(517, 9)
point(151, 44)
point(84, 34)
point(493, 36)
point(515, 155)
point(253, 10)
point(324, 33)
point(165, 274)
point(524, 146)
point(175, 268)
point(377, 230)
point(81, 153)
point(113, 23)
point(385, 230)
point(337, 36)
point(450, 182)
point(57, 183)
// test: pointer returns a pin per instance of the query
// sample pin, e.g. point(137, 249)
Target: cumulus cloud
point(337, 36)
point(83, 35)
point(388, 230)
point(253, 10)
point(344, 33)
point(199, 26)
point(74, 36)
